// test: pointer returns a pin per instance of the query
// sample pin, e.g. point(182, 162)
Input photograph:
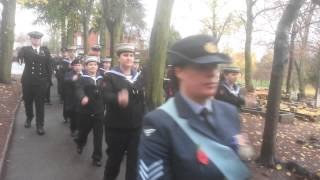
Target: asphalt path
point(52, 156)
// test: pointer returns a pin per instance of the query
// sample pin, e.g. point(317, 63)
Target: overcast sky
point(186, 18)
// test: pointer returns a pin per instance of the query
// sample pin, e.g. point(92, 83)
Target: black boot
point(40, 131)
point(27, 124)
point(96, 162)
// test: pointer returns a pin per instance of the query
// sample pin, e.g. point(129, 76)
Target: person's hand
point(245, 150)
point(250, 101)
point(84, 101)
point(75, 77)
point(123, 98)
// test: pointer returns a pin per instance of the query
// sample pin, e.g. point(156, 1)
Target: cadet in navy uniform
point(35, 79)
point(71, 102)
point(65, 68)
point(228, 90)
point(88, 90)
point(105, 65)
point(125, 100)
point(59, 71)
point(192, 136)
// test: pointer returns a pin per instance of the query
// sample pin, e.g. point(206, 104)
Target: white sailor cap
point(91, 59)
point(125, 47)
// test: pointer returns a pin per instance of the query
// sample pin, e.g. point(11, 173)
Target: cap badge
point(210, 47)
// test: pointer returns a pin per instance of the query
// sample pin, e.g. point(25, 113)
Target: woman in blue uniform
point(192, 136)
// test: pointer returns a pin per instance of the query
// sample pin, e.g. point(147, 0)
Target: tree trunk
point(247, 51)
point(7, 39)
point(85, 35)
point(117, 30)
point(291, 56)
point(70, 31)
point(267, 156)
point(63, 32)
point(158, 54)
point(304, 52)
point(103, 39)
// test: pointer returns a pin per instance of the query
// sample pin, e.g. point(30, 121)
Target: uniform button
point(32, 73)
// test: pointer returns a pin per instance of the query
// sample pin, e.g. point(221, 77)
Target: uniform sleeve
point(153, 161)
point(79, 89)
point(20, 56)
point(49, 65)
point(109, 94)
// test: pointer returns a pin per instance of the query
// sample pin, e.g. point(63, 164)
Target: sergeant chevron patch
point(149, 131)
point(152, 172)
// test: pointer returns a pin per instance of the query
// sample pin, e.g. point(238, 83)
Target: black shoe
point(74, 134)
point(27, 124)
point(40, 131)
point(79, 150)
point(66, 120)
point(97, 163)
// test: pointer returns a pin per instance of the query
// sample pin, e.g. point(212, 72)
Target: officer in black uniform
point(35, 79)
point(125, 102)
point(192, 136)
point(89, 92)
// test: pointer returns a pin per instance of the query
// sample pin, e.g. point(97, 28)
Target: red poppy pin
point(202, 157)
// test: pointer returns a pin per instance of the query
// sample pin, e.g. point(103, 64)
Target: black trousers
point(121, 141)
point(47, 98)
point(34, 93)
point(74, 116)
point(87, 123)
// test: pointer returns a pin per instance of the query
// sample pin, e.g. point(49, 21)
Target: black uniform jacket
point(63, 67)
point(224, 94)
point(130, 116)
point(167, 153)
point(37, 65)
point(90, 87)
point(71, 102)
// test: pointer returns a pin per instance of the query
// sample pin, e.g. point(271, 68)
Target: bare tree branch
point(265, 10)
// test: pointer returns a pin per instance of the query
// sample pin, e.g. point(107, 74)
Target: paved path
point(52, 156)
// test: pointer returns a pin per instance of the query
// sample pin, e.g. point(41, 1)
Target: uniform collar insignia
point(149, 131)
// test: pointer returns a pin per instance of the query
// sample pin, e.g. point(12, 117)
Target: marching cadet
point(136, 65)
point(71, 101)
point(125, 101)
point(35, 79)
point(192, 136)
point(59, 72)
point(65, 66)
point(229, 91)
point(88, 91)
point(105, 65)
point(95, 51)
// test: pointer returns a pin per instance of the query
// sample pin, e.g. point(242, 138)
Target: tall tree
point(218, 25)
point(291, 59)
point(158, 53)
point(114, 11)
point(85, 8)
point(267, 156)
point(7, 39)
point(251, 16)
point(306, 21)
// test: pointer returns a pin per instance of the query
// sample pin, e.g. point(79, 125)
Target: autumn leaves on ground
point(297, 142)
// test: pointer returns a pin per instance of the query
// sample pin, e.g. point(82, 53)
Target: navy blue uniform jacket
point(167, 153)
